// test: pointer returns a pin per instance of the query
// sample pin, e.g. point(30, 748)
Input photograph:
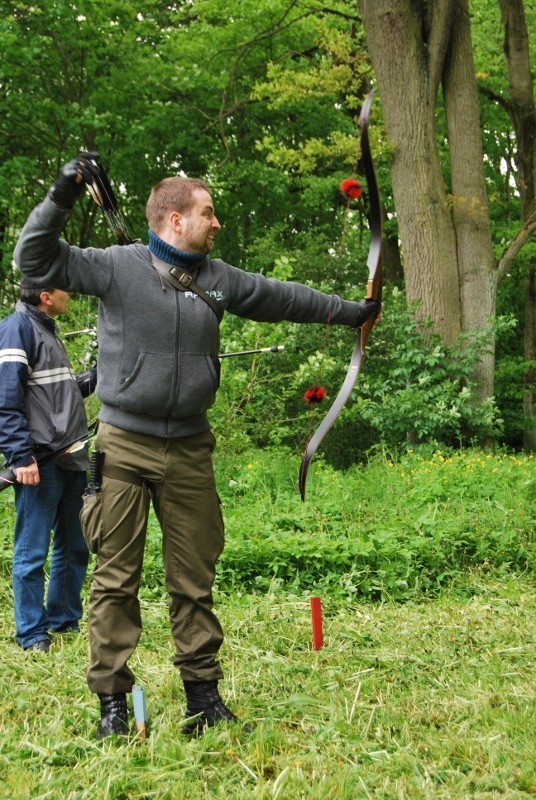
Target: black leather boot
point(204, 707)
point(114, 715)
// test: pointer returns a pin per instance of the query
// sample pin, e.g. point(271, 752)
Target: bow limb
point(374, 259)
point(336, 408)
point(374, 263)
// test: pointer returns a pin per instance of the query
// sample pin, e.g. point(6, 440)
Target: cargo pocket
point(91, 520)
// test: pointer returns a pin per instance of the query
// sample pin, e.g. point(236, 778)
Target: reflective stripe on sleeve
point(13, 354)
point(44, 376)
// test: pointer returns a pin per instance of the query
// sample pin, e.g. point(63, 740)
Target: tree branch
point(333, 12)
point(522, 236)
point(438, 42)
point(496, 98)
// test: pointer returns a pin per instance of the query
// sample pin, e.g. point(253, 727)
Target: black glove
point(71, 183)
point(87, 381)
point(367, 308)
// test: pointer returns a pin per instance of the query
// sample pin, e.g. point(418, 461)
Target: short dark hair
point(171, 194)
point(30, 293)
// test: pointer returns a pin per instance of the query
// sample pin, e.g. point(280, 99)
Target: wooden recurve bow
point(374, 291)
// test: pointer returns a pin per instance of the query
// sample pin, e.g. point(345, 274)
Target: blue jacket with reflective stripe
point(41, 404)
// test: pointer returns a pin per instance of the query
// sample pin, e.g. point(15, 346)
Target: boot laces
point(205, 703)
point(218, 710)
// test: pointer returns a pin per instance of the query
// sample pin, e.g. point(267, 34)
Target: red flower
point(351, 188)
point(314, 395)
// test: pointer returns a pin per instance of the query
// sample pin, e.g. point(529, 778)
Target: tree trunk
point(522, 111)
point(403, 69)
point(476, 261)
point(416, 47)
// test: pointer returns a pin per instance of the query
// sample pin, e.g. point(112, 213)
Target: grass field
point(433, 697)
point(428, 700)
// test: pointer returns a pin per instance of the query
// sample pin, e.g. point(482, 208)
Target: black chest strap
point(181, 280)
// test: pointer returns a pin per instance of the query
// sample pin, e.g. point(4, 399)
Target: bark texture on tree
point(406, 70)
point(476, 261)
point(522, 111)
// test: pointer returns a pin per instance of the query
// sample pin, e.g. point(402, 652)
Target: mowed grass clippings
point(421, 700)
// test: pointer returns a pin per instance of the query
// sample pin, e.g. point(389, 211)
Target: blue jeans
point(52, 506)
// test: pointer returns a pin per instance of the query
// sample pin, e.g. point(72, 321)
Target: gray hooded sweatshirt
point(158, 347)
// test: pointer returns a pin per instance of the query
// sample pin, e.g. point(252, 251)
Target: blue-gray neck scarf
point(178, 258)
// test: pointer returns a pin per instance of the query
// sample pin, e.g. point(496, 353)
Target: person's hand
point(87, 381)
point(71, 182)
point(28, 475)
point(368, 308)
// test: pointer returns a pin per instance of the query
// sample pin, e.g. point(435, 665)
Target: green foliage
point(509, 377)
point(393, 529)
point(424, 390)
point(138, 87)
point(268, 116)
point(412, 386)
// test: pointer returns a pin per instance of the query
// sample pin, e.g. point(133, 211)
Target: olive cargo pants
point(177, 475)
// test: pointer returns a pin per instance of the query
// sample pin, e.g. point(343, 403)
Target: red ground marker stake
point(316, 620)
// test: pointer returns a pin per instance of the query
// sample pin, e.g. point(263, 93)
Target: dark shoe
point(43, 645)
point(205, 707)
point(114, 715)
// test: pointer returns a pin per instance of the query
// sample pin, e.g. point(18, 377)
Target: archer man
point(158, 377)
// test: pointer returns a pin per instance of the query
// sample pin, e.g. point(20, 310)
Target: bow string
point(373, 292)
